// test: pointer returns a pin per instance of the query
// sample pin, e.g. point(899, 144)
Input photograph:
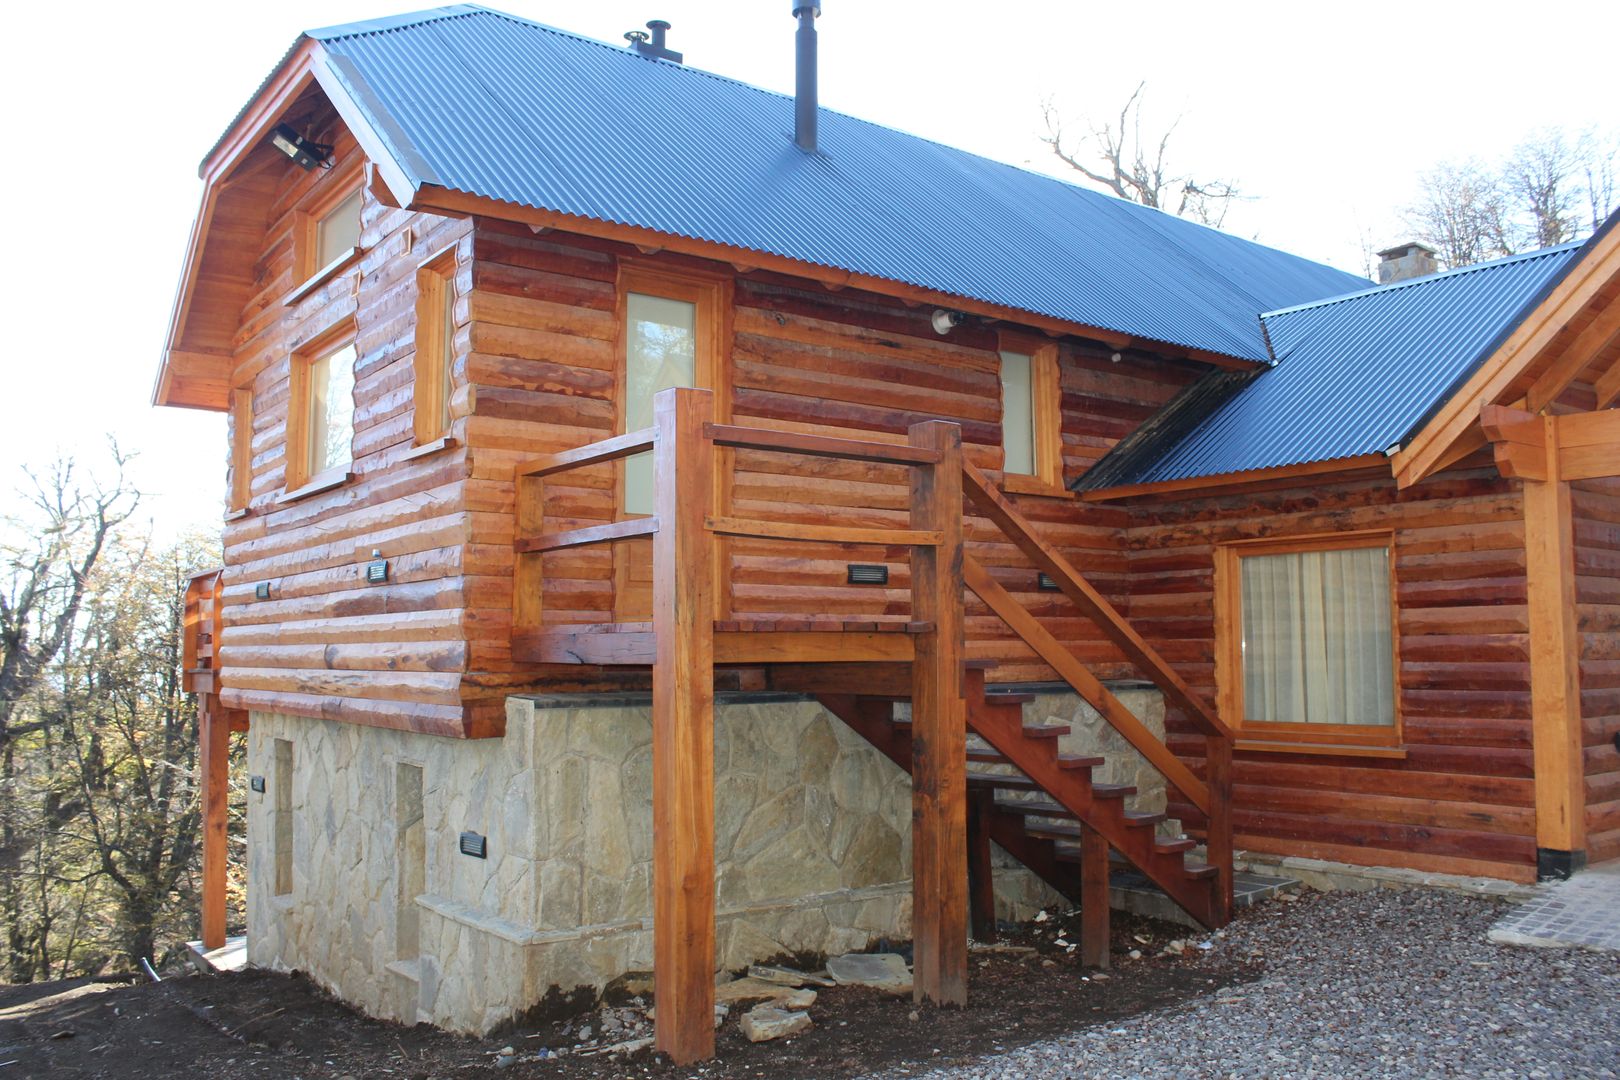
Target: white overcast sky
point(1325, 114)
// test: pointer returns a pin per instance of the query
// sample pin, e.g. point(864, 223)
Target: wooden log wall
point(1462, 798)
point(325, 643)
point(1596, 509)
point(545, 352)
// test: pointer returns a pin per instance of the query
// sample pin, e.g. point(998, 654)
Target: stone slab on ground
point(1131, 891)
point(1583, 911)
point(767, 1022)
point(231, 956)
point(881, 971)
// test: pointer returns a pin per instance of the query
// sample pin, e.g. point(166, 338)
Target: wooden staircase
point(1040, 810)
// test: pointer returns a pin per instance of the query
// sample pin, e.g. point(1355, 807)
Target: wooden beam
point(586, 645)
point(1495, 378)
point(683, 728)
point(980, 869)
point(1588, 444)
point(1518, 439)
point(1094, 906)
point(1608, 387)
point(939, 726)
point(826, 534)
point(596, 453)
point(214, 761)
point(793, 442)
point(1088, 686)
point(1096, 607)
point(628, 529)
point(1555, 691)
point(1599, 334)
point(1219, 485)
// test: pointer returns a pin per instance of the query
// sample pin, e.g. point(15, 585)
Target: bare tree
point(1124, 158)
point(1542, 178)
point(1462, 213)
point(46, 563)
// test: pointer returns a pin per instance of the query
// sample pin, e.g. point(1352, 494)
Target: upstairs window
point(320, 432)
point(435, 346)
point(1031, 416)
point(1311, 655)
point(337, 233)
point(326, 231)
point(660, 353)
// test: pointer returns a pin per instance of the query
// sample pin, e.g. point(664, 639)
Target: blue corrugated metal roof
point(486, 103)
point(1357, 374)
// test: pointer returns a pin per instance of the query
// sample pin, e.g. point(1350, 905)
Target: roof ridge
point(1426, 279)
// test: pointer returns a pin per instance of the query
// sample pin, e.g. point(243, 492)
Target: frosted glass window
point(331, 410)
point(1017, 414)
point(660, 353)
point(338, 231)
point(447, 357)
point(1317, 642)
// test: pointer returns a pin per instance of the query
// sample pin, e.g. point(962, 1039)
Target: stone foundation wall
point(812, 846)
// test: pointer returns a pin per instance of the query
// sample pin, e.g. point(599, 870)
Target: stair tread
point(996, 697)
point(1046, 731)
point(1034, 807)
point(1113, 791)
point(1142, 819)
point(987, 756)
point(996, 780)
point(1172, 847)
point(1079, 761)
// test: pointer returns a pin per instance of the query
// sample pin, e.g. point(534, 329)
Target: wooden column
point(981, 875)
point(939, 726)
point(683, 728)
point(214, 765)
point(1218, 837)
point(1555, 689)
point(1094, 909)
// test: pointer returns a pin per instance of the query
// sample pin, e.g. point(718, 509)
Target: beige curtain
point(1317, 645)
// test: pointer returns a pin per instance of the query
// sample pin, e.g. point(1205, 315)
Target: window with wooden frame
point(320, 414)
point(241, 491)
point(1031, 416)
point(670, 322)
point(435, 362)
point(1306, 640)
point(327, 229)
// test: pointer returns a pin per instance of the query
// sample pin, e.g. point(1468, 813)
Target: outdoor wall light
point(475, 845)
point(945, 321)
point(307, 154)
point(868, 574)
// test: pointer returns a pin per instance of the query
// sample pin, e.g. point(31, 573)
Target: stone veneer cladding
point(812, 849)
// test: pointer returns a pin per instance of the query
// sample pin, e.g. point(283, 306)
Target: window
point(1308, 649)
point(320, 428)
point(1031, 416)
point(670, 340)
point(435, 346)
point(326, 229)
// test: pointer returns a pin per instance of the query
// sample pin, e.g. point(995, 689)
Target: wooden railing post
point(1218, 838)
point(939, 725)
point(683, 727)
point(214, 763)
point(527, 568)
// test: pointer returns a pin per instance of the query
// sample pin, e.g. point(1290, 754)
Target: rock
point(913, 1016)
point(629, 1046)
point(773, 973)
point(882, 971)
point(749, 989)
point(765, 1022)
point(796, 999)
point(1135, 954)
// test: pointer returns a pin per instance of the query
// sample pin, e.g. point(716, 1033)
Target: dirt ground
point(259, 1024)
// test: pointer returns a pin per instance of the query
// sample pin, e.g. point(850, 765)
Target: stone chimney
point(1405, 262)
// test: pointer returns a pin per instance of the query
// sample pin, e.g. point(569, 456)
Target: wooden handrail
point(596, 453)
point(1087, 685)
point(629, 529)
point(792, 442)
point(1085, 596)
point(829, 534)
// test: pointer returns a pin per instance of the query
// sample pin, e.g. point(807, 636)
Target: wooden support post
point(981, 876)
point(214, 760)
point(528, 572)
point(1555, 690)
point(938, 725)
point(683, 728)
point(1094, 908)
point(1218, 836)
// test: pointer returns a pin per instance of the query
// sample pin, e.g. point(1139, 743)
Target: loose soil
point(260, 1024)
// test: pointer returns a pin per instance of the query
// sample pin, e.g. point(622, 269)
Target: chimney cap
point(1400, 250)
point(813, 5)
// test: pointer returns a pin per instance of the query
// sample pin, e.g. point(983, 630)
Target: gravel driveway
point(1378, 984)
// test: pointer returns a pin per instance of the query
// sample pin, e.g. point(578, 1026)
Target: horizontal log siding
point(1462, 800)
point(325, 643)
point(1596, 505)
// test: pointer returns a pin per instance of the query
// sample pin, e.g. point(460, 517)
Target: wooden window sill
point(1019, 484)
point(428, 449)
point(1278, 746)
point(326, 481)
point(323, 275)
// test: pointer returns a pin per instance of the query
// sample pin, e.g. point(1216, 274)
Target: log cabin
point(669, 524)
